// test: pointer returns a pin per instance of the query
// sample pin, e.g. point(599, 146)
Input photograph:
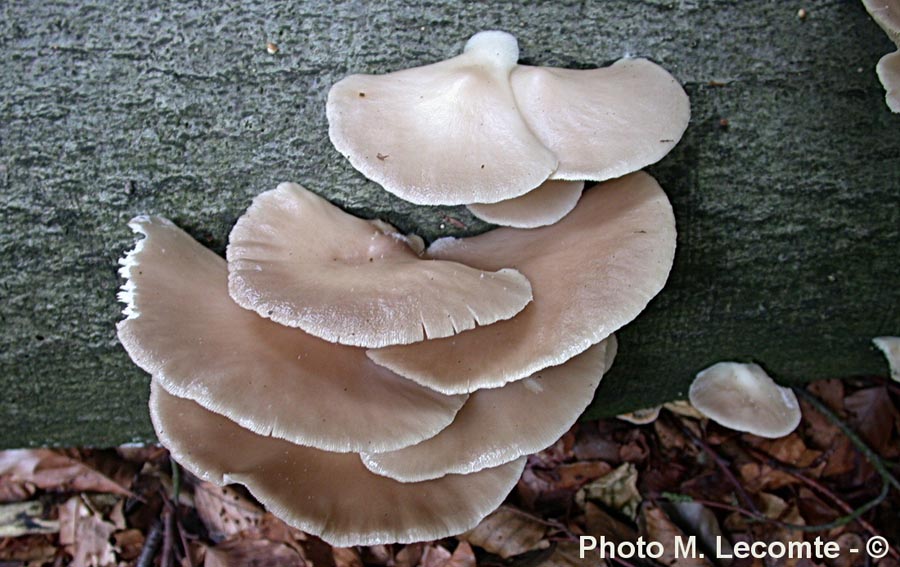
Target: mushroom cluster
point(369, 389)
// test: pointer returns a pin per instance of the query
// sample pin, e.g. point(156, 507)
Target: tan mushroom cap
point(888, 70)
point(448, 133)
point(890, 346)
point(591, 273)
point(331, 495)
point(744, 398)
point(886, 14)
point(543, 206)
point(302, 262)
point(502, 424)
point(184, 329)
point(603, 123)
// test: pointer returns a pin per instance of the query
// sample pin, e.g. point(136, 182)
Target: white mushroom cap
point(888, 70)
point(184, 329)
point(591, 273)
point(743, 397)
point(890, 346)
point(331, 495)
point(603, 123)
point(642, 416)
point(449, 133)
point(545, 205)
point(499, 425)
point(302, 262)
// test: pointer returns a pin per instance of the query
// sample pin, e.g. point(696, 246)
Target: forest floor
point(835, 478)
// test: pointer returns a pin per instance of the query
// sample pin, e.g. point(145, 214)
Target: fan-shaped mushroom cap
point(890, 346)
point(502, 424)
point(603, 123)
point(331, 495)
point(302, 262)
point(545, 205)
point(743, 397)
point(449, 133)
point(591, 273)
point(184, 329)
point(888, 70)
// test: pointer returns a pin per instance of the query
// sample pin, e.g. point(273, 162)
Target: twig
point(148, 553)
point(166, 559)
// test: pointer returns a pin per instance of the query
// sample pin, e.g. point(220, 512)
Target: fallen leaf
point(52, 470)
point(24, 518)
point(410, 555)
point(31, 550)
point(656, 526)
point(617, 490)
point(683, 408)
point(873, 416)
point(599, 523)
point(463, 556)
point(252, 552)
point(129, 543)
point(224, 511)
point(846, 558)
point(434, 556)
point(85, 535)
point(695, 519)
point(507, 532)
point(346, 557)
point(567, 554)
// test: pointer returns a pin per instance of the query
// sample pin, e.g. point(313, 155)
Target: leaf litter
point(676, 476)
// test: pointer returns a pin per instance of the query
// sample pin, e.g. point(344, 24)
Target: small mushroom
point(302, 262)
point(183, 328)
point(888, 69)
point(591, 273)
point(478, 128)
point(643, 416)
point(331, 495)
point(499, 425)
point(744, 398)
point(890, 346)
point(447, 133)
point(543, 206)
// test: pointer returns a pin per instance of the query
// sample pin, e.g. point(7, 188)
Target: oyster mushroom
point(478, 128)
point(331, 495)
point(183, 328)
point(591, 273)
point(302, 262)
point(545, 205)
point(498, 425)
point(886, 14)
point(743, 397)
point(890, 346)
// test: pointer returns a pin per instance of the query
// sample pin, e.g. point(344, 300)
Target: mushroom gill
point(302, 262)
point(183, 328)
point(590, 273)
point(331, 495)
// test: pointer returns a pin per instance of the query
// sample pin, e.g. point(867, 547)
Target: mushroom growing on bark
point(743, 397)
point(302, 262)
point(478, 128)
point(183, 328)
point(590, 273)
point(498, 425)
point(331, 495)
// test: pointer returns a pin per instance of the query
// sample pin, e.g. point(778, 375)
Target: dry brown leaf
point(346, 557)
point(695, 519)
point(829, 391)
point(224, 511)
point(463, 556)
point(847, 542)
point(51, 470)
point(252, 552)
point(599, 523)
point(378, 555)
point(410, 555)
point(129, 543)
point(617, 490)
point(85, 535)
point(507, 532)
point(29, 550)
point(757, 477)
point(25, 518)
point(656, 526)
point(434, 556)
point(591, 444)
point(873, 416)
point(566, 554)
point(789, 449)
